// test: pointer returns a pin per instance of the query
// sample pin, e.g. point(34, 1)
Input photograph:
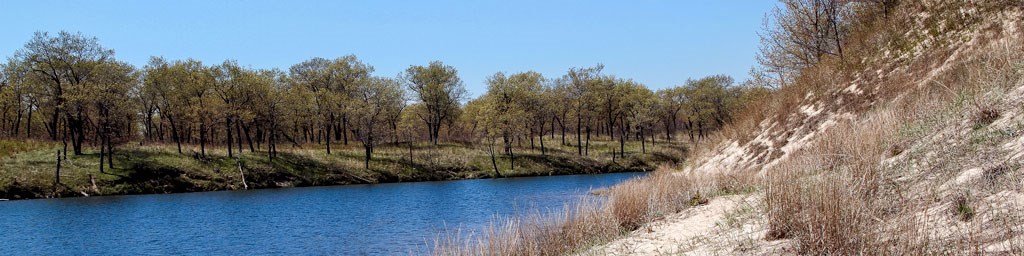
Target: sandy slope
point(689, 232)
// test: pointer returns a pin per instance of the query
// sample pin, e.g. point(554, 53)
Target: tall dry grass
point(593, 221)
point(838, 196)
point(835, 196)
point(827, 196)
point(577, 226)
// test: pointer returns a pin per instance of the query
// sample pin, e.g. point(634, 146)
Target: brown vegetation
point(906, 144)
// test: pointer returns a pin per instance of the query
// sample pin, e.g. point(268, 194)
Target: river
point(381, 219)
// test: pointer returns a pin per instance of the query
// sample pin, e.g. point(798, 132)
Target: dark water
point(386, 219)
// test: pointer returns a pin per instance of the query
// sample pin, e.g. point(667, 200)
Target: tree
point(194, 83)
point(16, 95)
point(509, 107)
point(114, 113)
point(270, 103)
point(438, 88)
point(65, 62)
point(375, 99)
point(800, 33)
point(331, 83)
point(580, 84)
point(673, 101)
point(641, 108)
point(237, 88)
point(168, 91)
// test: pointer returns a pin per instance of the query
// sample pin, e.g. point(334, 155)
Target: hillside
point(916, 152)
point(910, 143)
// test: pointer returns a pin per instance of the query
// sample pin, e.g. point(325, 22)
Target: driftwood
point(95, 189)
point(241, 173)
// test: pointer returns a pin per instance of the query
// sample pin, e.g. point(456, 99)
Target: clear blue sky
point(658, 43)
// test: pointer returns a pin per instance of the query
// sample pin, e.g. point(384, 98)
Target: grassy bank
point(28, 167)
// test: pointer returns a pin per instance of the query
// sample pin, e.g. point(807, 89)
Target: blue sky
point(658, 43)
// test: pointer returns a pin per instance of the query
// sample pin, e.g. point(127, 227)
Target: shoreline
point(342, 185)
point(160, 170)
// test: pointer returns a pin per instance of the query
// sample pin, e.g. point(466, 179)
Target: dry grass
point(827, 196)
point(857, 189)
point(629, 206)
point(579, 226)
point(839, 196)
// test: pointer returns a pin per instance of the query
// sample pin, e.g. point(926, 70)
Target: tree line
point(70, 89)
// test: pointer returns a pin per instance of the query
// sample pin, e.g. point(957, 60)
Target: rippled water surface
point(385, 219)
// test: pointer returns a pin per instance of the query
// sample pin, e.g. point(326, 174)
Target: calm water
point(384, 219)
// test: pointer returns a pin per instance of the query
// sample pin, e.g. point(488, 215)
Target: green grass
point(27, 167)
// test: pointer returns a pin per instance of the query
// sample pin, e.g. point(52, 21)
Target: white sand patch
point(853, 89)
point(810, 110)
point(1015, 148)
point(965, 177)
point(729, 158)
point(671, 235)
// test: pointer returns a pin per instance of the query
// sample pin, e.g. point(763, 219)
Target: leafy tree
point(375, 100)
point(270, 106)
point(439, 90)
point(673, 102)
point(639, 111)
point(332, 84)
point(114, 113)
point(17, 88)
point(581, 87)
point(65, 62)
point(509, 107)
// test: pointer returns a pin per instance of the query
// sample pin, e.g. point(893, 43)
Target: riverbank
point(28, 167)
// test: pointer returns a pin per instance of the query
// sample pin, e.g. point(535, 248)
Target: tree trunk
point(78, 134)
point(245, 130)
point(552, 128)
point(587, 151)
point(511, 160)
point(344, 130)
point(174, 134)
point(329, 124)
point(668, 131)
point(494, 161)
point(270, 146)
point(508, 150)
point(56, 175)
point(410, 152)
point(54, 119)
point(101, 157)
point(622, 136)
point(149, 125)
point(369, 152)
point(64, 139)
point(17, 123)
point(579, 132)
point(110, 153)
point(227, 126)
point(238, 135)
point(28, 124)
point(643, 142)
point(394, 131)
point(203, 133)
point(561, 124)
point(531, 139)
point(543, 151)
